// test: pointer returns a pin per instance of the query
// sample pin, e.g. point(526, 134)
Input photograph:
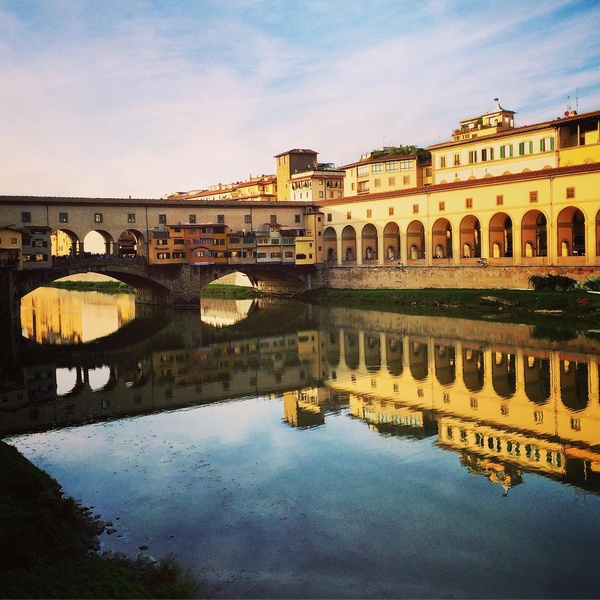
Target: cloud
point(142, 99)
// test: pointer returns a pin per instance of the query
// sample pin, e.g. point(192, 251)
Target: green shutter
point(502, 152)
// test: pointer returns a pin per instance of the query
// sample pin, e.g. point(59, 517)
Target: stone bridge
point(171, 285)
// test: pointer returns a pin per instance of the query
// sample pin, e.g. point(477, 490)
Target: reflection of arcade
point(503, 408)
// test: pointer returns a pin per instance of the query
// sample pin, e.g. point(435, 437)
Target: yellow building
point(10, 246)
point(384, 170)
point(501, 195)
point(294, 161)
point(259, 188)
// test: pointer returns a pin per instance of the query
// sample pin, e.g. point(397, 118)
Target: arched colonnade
point(573, 238)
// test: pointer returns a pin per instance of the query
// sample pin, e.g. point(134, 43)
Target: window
point(468, 202)
point(192, 218)
point(25, 217)
point(442, 206)
point(506, 151)
point(525, 148)
point(377, 182)
point(162, 219)
point(221, 219)
point(391, 181)
point(472, 157)
point(533, 196)
point(247, 218)
point(63, 217)
point(406, 179)
point(329, 217)
point(415, 209)
point(348, 215)
point(377, 168)
point(487, 154)
point(369, 213)
point(363, 187)
point(570, 192)
point(131, 217)
point(499, 200)
point(406, 165)
point(273, 219)
point(296, 218)
point(547, 144)
point(391, 211)
point(391, 166)
point(362, 171)
point(457, 160)
point(442, 162)
point(97, 217)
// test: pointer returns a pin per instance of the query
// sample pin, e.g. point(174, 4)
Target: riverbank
point(519, 306)
point(105, 287)
point(49, 544)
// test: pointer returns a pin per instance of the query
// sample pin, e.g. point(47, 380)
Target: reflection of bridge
point(176, 284)
point(504, 405)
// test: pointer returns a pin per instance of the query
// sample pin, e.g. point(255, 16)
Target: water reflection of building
point(504, 409)
point(56, 316)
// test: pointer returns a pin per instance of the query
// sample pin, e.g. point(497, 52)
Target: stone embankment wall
point(460, 277)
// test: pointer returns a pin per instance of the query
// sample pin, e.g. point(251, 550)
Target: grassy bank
point(233, 292)
point(524, 306)
point(105, 287)
point(47, 543)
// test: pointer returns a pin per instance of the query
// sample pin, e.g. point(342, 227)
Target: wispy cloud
point(143, 98)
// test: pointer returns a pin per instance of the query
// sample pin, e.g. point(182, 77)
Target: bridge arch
point(65, 243)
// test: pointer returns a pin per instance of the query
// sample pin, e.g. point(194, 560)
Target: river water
point(282, 450)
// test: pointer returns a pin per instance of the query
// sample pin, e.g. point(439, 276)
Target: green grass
point(514, 305)
point(104, 287)
point(235, 292)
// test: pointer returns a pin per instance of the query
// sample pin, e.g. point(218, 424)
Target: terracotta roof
point(296, 151)
point(514, 177)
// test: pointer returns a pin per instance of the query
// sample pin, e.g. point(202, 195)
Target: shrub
point(592, 284)
point(550, 282)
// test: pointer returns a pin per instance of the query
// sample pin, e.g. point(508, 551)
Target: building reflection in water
point(504, 409)
point(59, 316)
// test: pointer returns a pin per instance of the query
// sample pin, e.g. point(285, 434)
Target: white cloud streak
point(135, 100)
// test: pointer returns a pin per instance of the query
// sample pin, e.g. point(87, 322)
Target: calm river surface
point(282, 450)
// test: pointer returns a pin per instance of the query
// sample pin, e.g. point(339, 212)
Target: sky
point(142, 98)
